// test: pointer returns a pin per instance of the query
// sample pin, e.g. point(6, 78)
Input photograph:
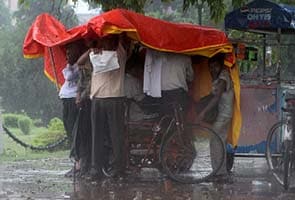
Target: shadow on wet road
point(44, 179)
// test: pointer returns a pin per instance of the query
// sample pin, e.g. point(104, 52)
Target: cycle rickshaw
point(184, 160)
point(266, 86)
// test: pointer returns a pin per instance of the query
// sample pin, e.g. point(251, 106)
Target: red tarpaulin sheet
point(159, 34)
point(47, 32)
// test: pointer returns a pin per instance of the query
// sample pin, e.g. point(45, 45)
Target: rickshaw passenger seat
point(150, 108)
point(142, 112)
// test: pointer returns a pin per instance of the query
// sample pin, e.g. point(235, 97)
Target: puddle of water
point(261, 186)
point(256, 182)
point(40, 171)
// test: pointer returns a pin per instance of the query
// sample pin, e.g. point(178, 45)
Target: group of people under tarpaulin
point(94, 97)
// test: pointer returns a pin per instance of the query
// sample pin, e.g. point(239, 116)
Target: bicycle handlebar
point(274, 79)
point(289, 110)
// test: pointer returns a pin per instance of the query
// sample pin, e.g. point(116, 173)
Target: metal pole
point(264, 53)
point(280, 89)
point(279, 55)
point(1, 134)
point(53, 68)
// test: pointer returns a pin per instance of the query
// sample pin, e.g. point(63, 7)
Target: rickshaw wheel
point(191, 162)
point(287, 165)
point(278, 156)
point(230, 159)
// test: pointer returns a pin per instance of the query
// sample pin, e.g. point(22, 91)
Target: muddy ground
point(44, 179)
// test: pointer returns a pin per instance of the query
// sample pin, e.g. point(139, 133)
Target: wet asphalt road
point(44, 179)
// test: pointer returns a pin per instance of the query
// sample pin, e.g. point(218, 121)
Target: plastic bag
point(104, 62)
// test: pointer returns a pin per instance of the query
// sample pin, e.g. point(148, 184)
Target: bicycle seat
point(151, 116)
point(150, 109)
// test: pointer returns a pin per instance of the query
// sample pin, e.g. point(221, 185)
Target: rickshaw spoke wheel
point(279, 156)
point(178, 158)
point(190, 161)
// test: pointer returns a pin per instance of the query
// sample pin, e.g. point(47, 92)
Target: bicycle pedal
point(156, 128)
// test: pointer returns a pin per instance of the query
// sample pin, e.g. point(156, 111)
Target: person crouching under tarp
point(217, 108)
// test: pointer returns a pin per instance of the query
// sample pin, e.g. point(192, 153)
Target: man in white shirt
point(68, 91)
point(166, 76)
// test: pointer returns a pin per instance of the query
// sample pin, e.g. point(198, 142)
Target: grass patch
point(15, 152)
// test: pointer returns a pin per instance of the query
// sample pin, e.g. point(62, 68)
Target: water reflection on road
point(251, 180)
point(29, 180)
point(167, 190)
point(159, 188)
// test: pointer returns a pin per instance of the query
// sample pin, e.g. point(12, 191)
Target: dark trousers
point(165, 102)
point(70, 112)
point(174, 96)
point(81, 148)
point(107, 116)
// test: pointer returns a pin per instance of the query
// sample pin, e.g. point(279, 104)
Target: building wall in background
point(11, 4)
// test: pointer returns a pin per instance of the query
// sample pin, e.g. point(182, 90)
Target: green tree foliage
point(173, 11)
point(29, 9)
point(106, 5)
point(4, 16)
point(216, 7)
point(23, 85)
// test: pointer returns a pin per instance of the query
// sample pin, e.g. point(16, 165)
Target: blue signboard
point(262, 15)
